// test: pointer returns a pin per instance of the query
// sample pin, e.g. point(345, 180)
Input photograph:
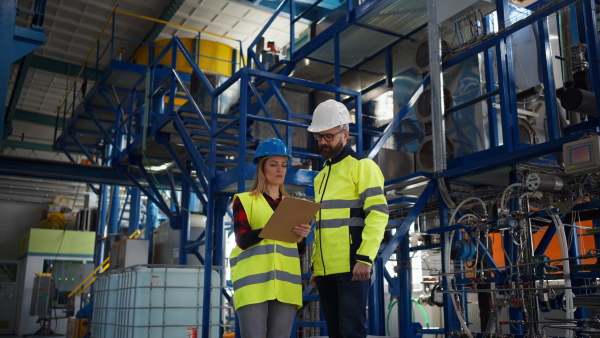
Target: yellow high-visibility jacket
point(267, 270)
point(353, 216)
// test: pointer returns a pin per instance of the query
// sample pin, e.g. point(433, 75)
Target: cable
point(560, 231)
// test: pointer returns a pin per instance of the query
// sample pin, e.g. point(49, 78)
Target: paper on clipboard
point(290, 212)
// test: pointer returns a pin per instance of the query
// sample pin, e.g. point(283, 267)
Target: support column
point(184, 231)
point(436, 84)
point(151, 225)
point(405, 329)
point(376, 305)
point(8, 10)
point(134, 210)
point(101, 225)
point(113, 218)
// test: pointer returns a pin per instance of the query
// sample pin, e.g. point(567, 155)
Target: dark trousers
point(344, 305)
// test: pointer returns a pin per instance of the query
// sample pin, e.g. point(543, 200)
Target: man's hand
point(361, 272)
point(313, 281)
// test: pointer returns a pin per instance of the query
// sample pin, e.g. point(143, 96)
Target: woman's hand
point(301, 230)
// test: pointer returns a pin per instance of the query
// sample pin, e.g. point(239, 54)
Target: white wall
point(22, 203)
point(16, 219)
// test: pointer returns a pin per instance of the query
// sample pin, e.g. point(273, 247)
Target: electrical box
point(582, 156)
point(43, 293)
point(66, 279)
point(128, 252)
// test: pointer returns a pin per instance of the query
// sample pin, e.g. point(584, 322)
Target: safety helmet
point(329, 114)
point(268, 147)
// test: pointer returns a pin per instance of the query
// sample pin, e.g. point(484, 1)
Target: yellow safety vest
point(353, 215)
point(267, 270)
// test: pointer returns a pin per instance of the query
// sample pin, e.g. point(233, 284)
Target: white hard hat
point(329, 114)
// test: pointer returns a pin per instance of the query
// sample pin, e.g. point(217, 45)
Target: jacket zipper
point(328, 162)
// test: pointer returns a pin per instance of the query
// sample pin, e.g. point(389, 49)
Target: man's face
point(330, 149)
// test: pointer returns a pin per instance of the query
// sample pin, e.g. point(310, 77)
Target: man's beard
point(328, 152)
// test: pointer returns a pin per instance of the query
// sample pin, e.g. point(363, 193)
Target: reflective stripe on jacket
point(353, 216)
point(267, 270)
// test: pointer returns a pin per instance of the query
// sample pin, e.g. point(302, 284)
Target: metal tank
point(166, 241)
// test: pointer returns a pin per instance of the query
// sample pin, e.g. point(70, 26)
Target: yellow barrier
point(88, 277)
point(136, 234)
point(93, 280)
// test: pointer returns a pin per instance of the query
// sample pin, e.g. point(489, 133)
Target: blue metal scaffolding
point(135, 125)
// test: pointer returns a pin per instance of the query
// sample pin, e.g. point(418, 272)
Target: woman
point(265, 273)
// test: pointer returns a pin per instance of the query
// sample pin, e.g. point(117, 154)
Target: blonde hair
point(259, 186)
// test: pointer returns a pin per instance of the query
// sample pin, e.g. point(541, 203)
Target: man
point(350, 224)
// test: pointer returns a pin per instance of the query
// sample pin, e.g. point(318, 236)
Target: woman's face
point(275, 168)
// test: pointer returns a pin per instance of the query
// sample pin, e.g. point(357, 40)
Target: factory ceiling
point(72, 27)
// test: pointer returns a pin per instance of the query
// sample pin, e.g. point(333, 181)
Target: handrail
point(112, 14)
point(106, 25)
point(88, 277)
point(93, 280)
point(139, 234)
point(173, 24)
point(104, 266)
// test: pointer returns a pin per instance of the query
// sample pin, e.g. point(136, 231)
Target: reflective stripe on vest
point(267, 270)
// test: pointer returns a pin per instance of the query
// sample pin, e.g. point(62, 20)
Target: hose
point(391, 306)
point(564, 247)
point(504, 194)
point(447, 247)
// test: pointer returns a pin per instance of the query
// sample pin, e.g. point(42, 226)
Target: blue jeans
point(344, 304)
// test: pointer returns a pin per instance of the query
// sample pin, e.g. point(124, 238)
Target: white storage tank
point(153, 302)
point(166, 241)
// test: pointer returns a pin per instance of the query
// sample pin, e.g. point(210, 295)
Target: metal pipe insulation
point(39, 180)
point(585, 287)
point(579, 100)
point(25, 187)
point(9, 190)
point(584, 256)
point(587, 301)
point(11, 199)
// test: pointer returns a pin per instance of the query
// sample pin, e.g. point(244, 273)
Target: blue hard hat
point(268, 147)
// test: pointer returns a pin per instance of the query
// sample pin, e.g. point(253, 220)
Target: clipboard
point(290, 212)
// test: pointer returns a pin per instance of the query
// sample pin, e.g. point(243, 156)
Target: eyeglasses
point(327, 137)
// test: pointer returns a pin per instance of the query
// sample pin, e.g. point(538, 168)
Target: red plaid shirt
point(244, 235)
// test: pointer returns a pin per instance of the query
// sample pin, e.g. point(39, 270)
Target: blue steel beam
point(402, 230)
point(405, 285)
point(494, 40)
point(16, 93)
point(161, 138)
point(184, 226)
point(160, 202)
point(376, 308)
point(208, 264)
point(16, 42)
point(72, 172)
point(174, 192)
point(134, 210)
point(507, 158)
point(195, 158)
point(101, 221)
point(398, 118)
point(593, 50)
point(545, 57)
